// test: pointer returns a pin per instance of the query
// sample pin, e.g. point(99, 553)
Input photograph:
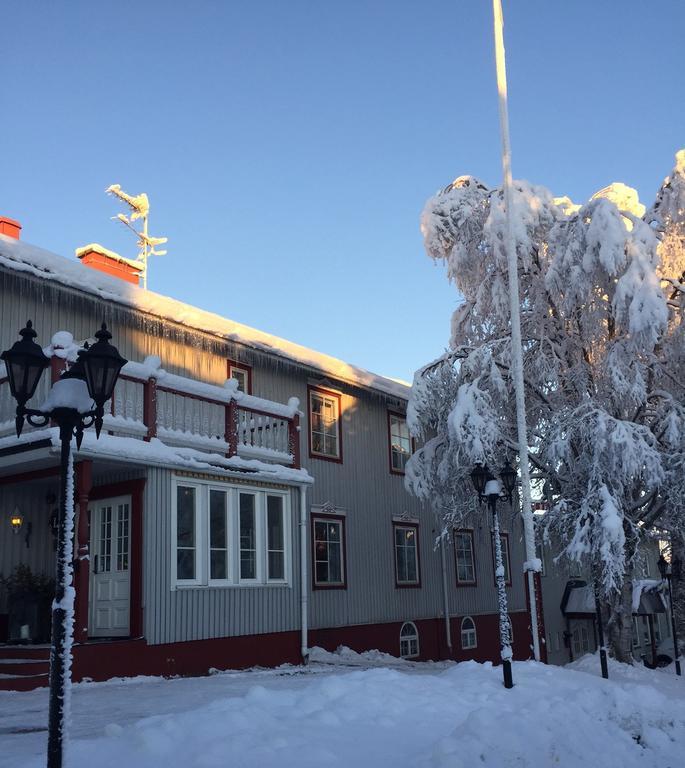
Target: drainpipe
point(304, 590)
point(445, 598)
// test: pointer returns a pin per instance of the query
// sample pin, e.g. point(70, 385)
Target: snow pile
point(413, 717)
point(345, 655)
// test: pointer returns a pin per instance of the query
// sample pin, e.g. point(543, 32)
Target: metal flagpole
point(516, 347)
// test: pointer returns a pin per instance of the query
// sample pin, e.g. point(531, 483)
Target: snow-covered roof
point(20, 256)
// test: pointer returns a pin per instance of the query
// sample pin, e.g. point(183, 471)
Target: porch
point(157, 420)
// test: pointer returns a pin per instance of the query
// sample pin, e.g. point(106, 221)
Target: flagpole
point(532, 563)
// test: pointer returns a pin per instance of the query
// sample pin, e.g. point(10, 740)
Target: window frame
point(314, 389)
point(506, 558)
point(471, 536)
point(406, 584)
point(461, 634)
point(198, 529)
point(203, 548)
point(408, 639)
point(403, 416)
point(232, 365)
point(326, 517)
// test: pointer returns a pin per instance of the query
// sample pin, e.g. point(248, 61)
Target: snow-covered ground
point(365, 711)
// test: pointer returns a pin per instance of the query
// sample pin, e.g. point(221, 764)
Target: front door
point(110, 586)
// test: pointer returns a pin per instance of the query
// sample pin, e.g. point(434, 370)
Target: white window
point(324, 424)
point(409, 640)
point(463, 552)
point(226, 536)
point(581, 640)
point(243, 375)
point(468, 633)
point(400, 442)
point(406, 555)
point(186, 534)
point(329, 568)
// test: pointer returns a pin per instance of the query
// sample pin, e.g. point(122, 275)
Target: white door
point(110, 580)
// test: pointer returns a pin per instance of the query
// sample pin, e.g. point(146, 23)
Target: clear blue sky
point(288, 147)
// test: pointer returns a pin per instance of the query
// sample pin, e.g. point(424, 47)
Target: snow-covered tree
point(602, 338)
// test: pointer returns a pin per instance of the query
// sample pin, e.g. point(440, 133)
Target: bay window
point(229, 536)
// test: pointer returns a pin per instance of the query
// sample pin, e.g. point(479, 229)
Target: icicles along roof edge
point(20, 256)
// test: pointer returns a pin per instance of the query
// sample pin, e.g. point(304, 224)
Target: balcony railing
point(150, 403)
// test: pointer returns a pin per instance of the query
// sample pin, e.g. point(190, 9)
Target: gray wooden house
point(244, 503)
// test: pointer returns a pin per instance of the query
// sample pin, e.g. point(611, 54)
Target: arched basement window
point(409, 640)
point(469, 638)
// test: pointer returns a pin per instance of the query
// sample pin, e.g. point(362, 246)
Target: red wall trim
point(335, 459)
point(343, 538)
point(150, 407)
point(473, 583)
point(103, 660)
point(399, 584)
point(134, 489)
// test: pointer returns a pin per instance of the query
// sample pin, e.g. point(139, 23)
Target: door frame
point(134, 489)
point(113, 502)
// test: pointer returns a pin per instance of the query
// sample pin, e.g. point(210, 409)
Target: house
point(570, 613)
point(245, 501)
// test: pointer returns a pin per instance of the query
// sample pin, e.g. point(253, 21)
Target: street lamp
point(665, 571)
point(487, 487)
point(74, 403)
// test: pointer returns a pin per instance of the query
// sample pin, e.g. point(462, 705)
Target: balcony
point(150, 403)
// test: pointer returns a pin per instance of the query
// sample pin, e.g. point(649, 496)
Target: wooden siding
point(362, 485)
point(199, 613)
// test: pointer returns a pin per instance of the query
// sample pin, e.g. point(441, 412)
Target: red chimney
point(97, 257)
point(9, 227)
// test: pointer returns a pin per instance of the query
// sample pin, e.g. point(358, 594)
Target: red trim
point(473, 583)
point(542, 635)
point(294, 440)
point(413, 584)
point(507, 582)
point(243, 367)
point(231, 428)
point(343, 553)
point(84, 483)
point(150, 407)
point(36, 474)
point(118, 658)
point(402, 416)
point(134, 489)
point(312, 455)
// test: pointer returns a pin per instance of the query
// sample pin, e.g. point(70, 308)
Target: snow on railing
point(149, 402)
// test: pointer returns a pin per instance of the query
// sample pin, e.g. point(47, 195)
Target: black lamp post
point(75, 403)
point(665, 571)
point(487, 487)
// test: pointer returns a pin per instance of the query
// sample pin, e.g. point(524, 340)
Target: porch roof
point(39, 449)
point(579, 600)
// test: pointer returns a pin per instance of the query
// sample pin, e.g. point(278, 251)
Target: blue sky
point(288, 147)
